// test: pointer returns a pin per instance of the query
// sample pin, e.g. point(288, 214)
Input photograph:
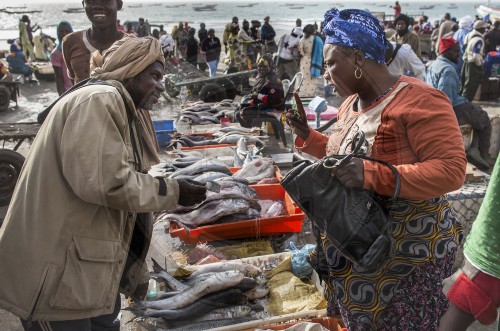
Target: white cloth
point(475, 48)
point(287, 45)
point(406, 60)
point(167, 43)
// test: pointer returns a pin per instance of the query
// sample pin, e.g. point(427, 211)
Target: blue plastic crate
point(163, 128)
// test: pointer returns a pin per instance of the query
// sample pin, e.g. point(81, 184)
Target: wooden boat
point(205, 8)
point(74, 10)
point(487, 10)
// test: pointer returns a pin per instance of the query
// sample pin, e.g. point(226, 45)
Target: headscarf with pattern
point(356, 29)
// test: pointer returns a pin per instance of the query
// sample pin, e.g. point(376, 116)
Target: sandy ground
point(34, 98)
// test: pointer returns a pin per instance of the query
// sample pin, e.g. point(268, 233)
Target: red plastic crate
point(292, 222)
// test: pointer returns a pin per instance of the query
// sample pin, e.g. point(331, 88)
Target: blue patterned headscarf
point(357, 29)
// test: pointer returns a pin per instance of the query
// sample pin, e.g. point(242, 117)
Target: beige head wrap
point(126, 58)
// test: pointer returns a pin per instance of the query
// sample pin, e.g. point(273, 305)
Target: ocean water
point(283, 13)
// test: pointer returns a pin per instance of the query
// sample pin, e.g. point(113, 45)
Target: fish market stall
point(238, 294)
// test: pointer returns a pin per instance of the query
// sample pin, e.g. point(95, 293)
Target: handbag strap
point(337, 161)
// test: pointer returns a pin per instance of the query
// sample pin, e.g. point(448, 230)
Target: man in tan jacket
point(79, 224)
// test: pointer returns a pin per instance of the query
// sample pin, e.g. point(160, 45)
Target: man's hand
point(297, 119)
point(191, 192)
point(140, 292)
point(351, 174)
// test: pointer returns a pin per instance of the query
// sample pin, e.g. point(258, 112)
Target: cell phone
point(298, 113)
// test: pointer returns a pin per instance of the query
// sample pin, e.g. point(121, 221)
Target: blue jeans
point(212, 65)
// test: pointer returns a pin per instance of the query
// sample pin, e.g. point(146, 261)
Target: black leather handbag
point(356, 221)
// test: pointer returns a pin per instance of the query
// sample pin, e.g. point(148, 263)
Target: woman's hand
point(297, 119)
point(351, 174)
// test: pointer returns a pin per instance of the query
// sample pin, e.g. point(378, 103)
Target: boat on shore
point(487, 10)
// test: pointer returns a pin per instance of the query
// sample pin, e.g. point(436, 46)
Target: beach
point(283, 13)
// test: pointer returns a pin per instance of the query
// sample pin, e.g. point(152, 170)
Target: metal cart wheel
point(212, 92)
point(170, 88)
point(10, 167)
point(4, 98)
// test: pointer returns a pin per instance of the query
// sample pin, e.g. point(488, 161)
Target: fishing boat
point(74, 10)
point(426, 7)
point(494, 13)
point(205, 8)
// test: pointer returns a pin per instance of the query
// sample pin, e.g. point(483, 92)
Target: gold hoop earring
point(356, 75)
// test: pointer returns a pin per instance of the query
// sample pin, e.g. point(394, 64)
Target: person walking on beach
point(202, 32)
point(444, 28)
point(267, 35)
point(442, 75)
point(142, 29)
point(78, 46)
point(492, 38)
point(192, 47)
point(211, 47)
point(167, 45)
point(63, 82)
point(80, 220)
point(397, 9)
point(26, 37)
point(227, 33)
point(404, 35)
point(129, 29)
point(472, 70)
point(412, 126)
point(475, 294)
point(311, 60)
point(287, 65)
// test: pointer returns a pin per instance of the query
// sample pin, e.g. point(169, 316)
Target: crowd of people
point(79, 225)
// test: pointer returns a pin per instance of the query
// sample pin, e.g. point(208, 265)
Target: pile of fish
point(235, 201)
point(200, 113)
point(214, 295)
point(254, 169)
point(228, 135)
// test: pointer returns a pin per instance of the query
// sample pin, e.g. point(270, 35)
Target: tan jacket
point(67, 232)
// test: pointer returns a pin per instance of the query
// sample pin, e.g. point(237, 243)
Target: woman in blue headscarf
point(63, 82)
point(412, 126)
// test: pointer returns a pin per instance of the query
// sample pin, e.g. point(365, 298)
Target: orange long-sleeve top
point(414, 128)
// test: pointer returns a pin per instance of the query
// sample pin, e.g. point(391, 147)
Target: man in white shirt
point(402, 60)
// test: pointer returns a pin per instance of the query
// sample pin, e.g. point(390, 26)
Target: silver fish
point(203, 166)
point(248, 269)
point(258, 292)
point(173, 283)
point(209, 212)
point(209, 176)
point(256, 170)
point(200, 326)
point(242, 148)
point(228, 190)
point(217, 282)
point(222, 313)
point(200, 307)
